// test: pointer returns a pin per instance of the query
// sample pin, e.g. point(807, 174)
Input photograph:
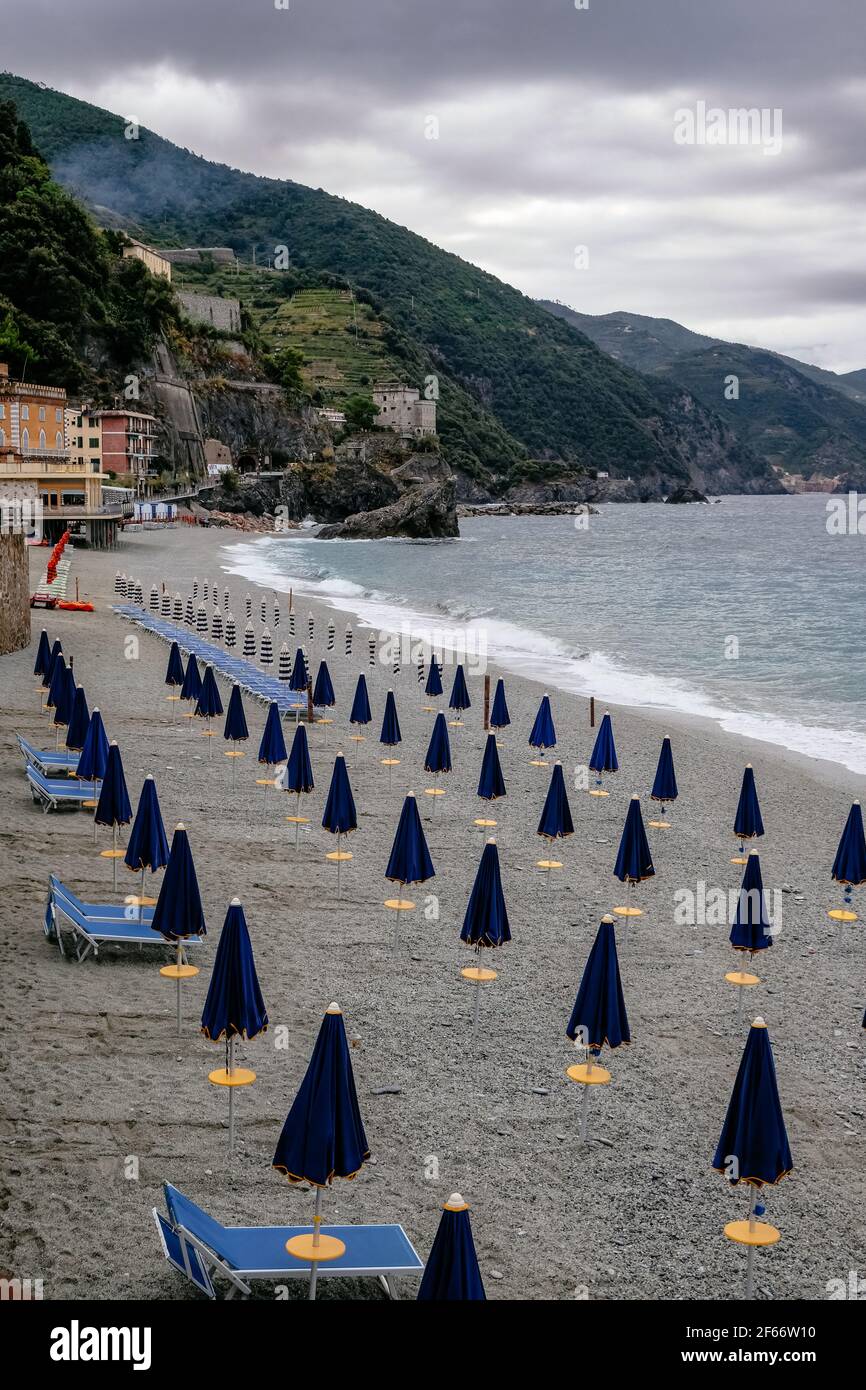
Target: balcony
point(41, 463)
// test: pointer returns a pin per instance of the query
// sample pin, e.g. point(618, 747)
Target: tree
point(361, 413)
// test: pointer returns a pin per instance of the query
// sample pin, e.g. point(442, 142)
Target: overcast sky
point(556, 131)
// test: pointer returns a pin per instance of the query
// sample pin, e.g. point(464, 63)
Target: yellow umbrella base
point(134, 900)
point(172, 697)
point(742, 978)
point(478, 974)
point(762, 1233)
point(538, 762)
point(428, 709)
point(358, 738)
point(238, 1076)
point(455, 723)
point(265, 782)
point(390, 762)
point(299, 820)
point(596, 791)
point(112, 853)
point(597, 1076)
point(659, 824)
point(434, 791)
point(190, 714)
point(208, 733)
point(338, 856)
point(548, 863)
point(629, 911)
point(399, 904)
point(232, 753)
point(178, 972)
point(841, 914)
point(739, 859)
point(485, 824)
point(89, 805)
point(302, 1247)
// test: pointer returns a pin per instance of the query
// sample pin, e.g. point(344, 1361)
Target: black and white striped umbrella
point(266, 648)
point(291, 622)
point(177, 609)
point(249, 648)
point(395, 662)
point(276, 612)
point(231, 632)
point(165, 604)
point(311, 627)
point(124, 589)
point(201, 620)
point(249, 603)
point(306, 664)
point(216, 626)
point(226, 601)
point(195, 586)
point(348, 639)
point(117, 589)
point(332, 634)
point(421, 666)
point(139, 595)
point(189, 612)
point(371, 649)
point(284, 666)
point(154, 599)
point(264, 611)
point(205, 593)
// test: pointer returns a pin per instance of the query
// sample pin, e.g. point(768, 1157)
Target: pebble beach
point(102, 1102)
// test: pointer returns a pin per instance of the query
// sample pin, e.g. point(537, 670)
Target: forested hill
point(522, 393)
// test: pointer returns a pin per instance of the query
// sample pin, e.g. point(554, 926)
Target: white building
point(401, 409)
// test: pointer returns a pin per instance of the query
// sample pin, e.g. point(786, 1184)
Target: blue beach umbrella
point(753, 1147)
point(485, 924)
point(633, 861)
point(750, 929)
point(665, 784)
point(390, 736)
point(438, 759)
point(174, 674)
point(598, 1018)
point(409, 861)
point(191, 688)
point(451, 1274)
point(113, 807)
point(57, 682)
point(43, 655)
point(148, 845)
point(849, 866)
point(48, 674)
point(491, 783)
point(272, 749)
point(323, 691)
point(459, 699)
point(64, 701)
point(543, 734)
point(556, 822)
point(178, 912)
point(323, 1137)
point(209, 705)
point(299, 775)
point(235, 730)
point(603, 757)
point(433, 688)
point(94, 754)
point(79, 721)
point(234, 1007)
point(298, 681)
point(747, 822)
point(340, 817)
point(361, 703)
point(499, 716)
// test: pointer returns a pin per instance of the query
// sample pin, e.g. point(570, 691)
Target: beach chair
point(54, 793)
point(93, 925)
point(199, 1247)
point(47, 760)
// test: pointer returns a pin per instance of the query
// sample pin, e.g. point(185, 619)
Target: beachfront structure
point(129, 440)
point(156, 263)
point(401, 409)
point(36, 464)
point(331, 416)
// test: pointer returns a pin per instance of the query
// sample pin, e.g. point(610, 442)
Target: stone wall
point(212, 310)
point(14, 594)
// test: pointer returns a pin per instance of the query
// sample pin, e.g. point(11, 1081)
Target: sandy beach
point(95, 1076)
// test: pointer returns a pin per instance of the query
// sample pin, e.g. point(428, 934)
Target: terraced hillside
point(341, 341)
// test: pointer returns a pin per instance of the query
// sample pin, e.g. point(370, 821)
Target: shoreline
point(96, 1077)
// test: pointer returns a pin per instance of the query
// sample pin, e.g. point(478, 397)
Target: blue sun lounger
point(47, 760)
point(92, 925)
point(199, 1247)
point(52, 793)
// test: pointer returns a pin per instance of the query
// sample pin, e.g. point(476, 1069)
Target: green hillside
point(634, 339)
point(515, 383)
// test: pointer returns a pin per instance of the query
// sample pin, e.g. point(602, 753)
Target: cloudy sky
point(519, 132)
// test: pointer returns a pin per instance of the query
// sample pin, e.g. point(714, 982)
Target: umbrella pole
point(584, 1108)
point(338, 863)
point(179, 964)
point(750, 1257)
point(477, 1007)
point(317, 1221)
point(114, 855)
point(230, 1068)
point(297, 819)
point(390, 770)
point(141, 896)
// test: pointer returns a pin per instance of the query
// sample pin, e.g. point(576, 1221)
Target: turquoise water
point(747, 611)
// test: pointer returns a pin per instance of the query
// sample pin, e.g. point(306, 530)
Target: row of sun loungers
point(48, 761)
point(252, 681)
point(200, 1248)
point(90, 926)
point(58, 793)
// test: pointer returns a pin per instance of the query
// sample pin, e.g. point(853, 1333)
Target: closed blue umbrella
point(390, 735)
point(485, 924)
point(235, 730)
point(499, 716)
point(48, 674)
point(323, 1137)
point(113, 807)
point(750, 929)
point(43, 655)
point(633, 861)
point(272, 749)
point(174, 674)
point(603, 757)
point(459, 699)
point(451, 1274)
point(340, 817)
point(178, 912)
point(191, 688)
point(433, 688)
point(57, 682)
point(849, 866)
point(543, 734)
point(556, 822)
point(79, 721)
point(234, 1007)
point(409, 861)
point(148, 845)
point(598, 1018)
point(94, 754)
point(323, 690)
point(747, 822)
point(491, 783)
point(209, 705)
point(665, 784)
point(438, 759)
point(299, 775)
point(753, 1147)
point(361, 703)
point(299, 672)
point(64, 702)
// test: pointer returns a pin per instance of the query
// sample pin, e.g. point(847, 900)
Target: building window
point(25, 441)
point(58, 416)
point(42, 444)
point(2, 411)
point(2, 437)
point(93, 443)
point(25, 412)
point(42, 412)
point(72, 499)
point(58, 440)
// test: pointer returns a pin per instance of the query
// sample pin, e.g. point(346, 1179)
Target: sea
point(749, 611)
